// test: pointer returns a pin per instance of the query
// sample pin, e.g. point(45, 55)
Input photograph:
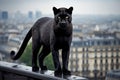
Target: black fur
point(54, 34)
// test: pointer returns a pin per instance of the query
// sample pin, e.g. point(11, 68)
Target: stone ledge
point(23, 72)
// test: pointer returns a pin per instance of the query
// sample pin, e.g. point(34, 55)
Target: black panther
point(53, 34)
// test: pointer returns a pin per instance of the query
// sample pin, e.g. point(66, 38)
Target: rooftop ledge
point(25, 73)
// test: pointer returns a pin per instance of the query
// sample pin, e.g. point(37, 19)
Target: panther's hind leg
point(45, 51)
point(35, 49)
point(34, 58)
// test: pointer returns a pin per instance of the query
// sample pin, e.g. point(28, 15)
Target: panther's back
point(44, 26)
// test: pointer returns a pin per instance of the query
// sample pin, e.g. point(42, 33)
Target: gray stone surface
point(13, 71)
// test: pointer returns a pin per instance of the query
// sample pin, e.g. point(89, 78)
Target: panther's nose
point(63, 24)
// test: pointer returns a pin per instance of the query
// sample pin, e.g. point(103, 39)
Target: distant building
point(30, 15)
point(117, 35)
point(3, 38)
point(37, 14)
point(77, 32)
point(104, 34)
point(96, 41)
point(4, 15)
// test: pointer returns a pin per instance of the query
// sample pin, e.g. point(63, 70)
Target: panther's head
point(62, 16)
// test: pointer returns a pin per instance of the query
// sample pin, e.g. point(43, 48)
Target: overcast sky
point(45, 6)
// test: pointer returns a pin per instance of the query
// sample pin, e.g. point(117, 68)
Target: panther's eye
point(66, 17)
point(58, 17)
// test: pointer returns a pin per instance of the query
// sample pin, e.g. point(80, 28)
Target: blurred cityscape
point(89, 30)
point(14, 26)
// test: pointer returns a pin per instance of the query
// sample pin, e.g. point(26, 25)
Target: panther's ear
point(70, 10)
point(55, 10)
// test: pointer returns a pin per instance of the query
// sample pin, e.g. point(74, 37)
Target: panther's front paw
point(58, 73)
point(35, 69)
point(43, 68)
point(66, 72)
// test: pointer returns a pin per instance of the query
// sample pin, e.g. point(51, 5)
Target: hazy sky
point(80, 6)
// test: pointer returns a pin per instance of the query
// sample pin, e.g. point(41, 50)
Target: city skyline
point(80, 6)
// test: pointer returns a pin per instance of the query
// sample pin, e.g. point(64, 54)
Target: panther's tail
point(15, 56)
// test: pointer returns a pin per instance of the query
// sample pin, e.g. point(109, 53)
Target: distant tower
point(30, 15)
point(37, 14)
point(4, 15)
point(0, 14)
